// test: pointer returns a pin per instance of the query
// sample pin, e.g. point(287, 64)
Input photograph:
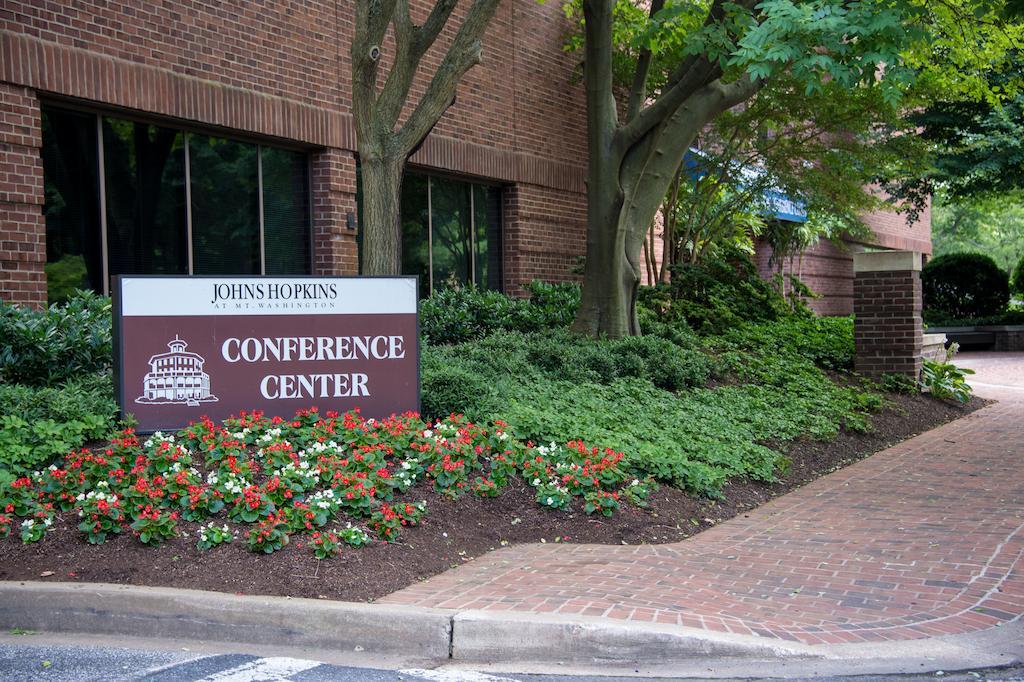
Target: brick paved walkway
point(923, 539)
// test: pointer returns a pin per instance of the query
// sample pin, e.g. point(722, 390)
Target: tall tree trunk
point(382, 227)
point(631, 166)
point(610, 281)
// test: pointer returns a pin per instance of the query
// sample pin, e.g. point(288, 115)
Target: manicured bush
point(46, 347)
point(964, 285)
point(454, 315)
point(38, 424)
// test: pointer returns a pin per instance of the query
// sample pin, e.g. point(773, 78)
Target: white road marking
point(455, 676)
point(263, 670)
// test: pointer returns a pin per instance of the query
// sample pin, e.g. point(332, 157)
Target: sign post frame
point(120, 375)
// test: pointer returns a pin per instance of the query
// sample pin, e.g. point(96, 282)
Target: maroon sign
point(190, 346)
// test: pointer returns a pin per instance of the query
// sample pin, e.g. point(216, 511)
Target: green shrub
point(65, 277)
point(964, 285)
point(45, 347)
point(40, 424)
point(696, 439)
point(454, 315)
point(946, 381)
point(1017, 284)
point(717, 295)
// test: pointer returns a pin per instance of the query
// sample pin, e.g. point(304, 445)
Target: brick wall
point(826, 268)
point(22, 230)
point(279, 70)
point(544, 233)
point(887, 305)
point(892, 231)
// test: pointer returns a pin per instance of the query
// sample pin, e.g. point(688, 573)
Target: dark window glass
point(285, 212)
point(72, 205)
point(145, 185)
point(225, 206)
point(415, 226)
point(487, 222)
point(450, 230)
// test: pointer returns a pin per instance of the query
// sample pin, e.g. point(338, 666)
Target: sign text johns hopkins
point(215, 346)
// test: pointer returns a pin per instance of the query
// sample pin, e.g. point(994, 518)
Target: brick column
point(887, 305)
point(334, 197)
point(22, 227)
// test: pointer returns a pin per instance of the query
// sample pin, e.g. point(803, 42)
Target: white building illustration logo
point(176, 377)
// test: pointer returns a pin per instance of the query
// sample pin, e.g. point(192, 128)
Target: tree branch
point(403, 69)
point(699, 74)
point(463, 53)
point(431, 28)
point(638, 91)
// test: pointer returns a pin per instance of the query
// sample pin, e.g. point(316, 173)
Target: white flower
point(428, 433)
point(551, 502)
point(536, 481)
point(636, 481)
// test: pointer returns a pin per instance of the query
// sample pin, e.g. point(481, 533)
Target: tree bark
point(382, 227)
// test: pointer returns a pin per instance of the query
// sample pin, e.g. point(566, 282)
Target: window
point(125, 197)
point(451, 232)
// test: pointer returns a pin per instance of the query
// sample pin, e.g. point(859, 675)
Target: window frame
point(187, 131)
point(430, 175)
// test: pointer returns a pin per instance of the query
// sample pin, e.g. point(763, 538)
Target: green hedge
point(964, 285)
point(467, 313)
point(46, 347)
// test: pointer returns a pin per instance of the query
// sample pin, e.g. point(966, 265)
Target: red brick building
point(210, 137)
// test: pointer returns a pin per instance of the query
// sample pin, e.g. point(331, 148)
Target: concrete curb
point(505, 637)
point(375, 630)
point(497, 640)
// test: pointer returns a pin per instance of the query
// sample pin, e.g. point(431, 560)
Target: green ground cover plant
point(39, 423)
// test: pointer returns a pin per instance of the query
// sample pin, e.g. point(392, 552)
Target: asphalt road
point(22, 660)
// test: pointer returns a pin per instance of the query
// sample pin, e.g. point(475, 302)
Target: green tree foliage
point(992, 225)
point(964, 286)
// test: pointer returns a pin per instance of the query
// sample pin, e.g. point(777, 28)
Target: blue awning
point(777, 204)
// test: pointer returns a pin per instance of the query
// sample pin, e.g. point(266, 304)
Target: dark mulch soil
point(453, 532)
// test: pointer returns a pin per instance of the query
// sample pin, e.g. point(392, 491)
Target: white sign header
point(220, 296)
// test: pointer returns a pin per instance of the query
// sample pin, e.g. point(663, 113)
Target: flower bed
point(268, 480)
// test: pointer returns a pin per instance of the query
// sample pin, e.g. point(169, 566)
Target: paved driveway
point(923, 539)
point(999, 376)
